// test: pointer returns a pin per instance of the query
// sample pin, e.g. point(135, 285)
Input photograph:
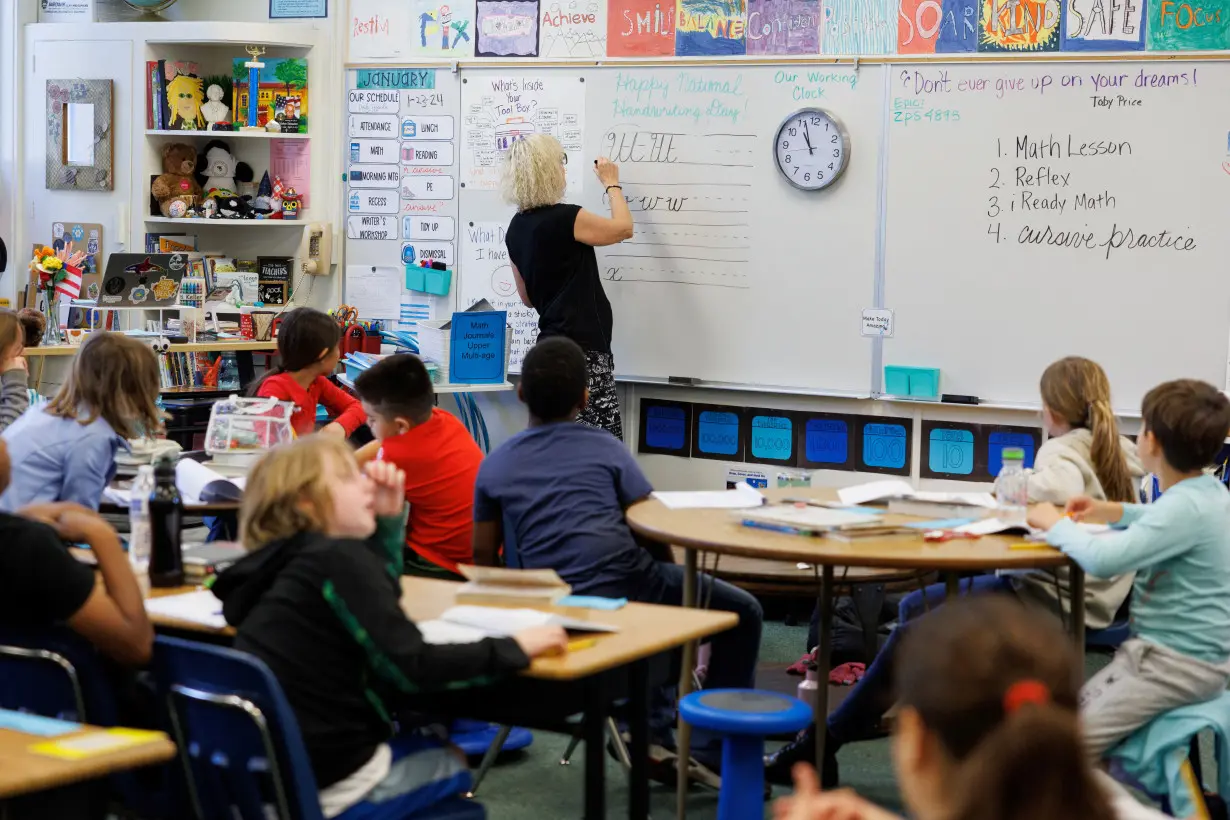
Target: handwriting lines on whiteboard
point(689, 196)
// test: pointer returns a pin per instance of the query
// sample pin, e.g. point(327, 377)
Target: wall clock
point(811, 149)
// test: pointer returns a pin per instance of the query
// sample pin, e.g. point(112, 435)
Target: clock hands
point(807, 138)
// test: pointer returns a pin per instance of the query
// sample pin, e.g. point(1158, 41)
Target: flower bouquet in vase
point(59, 274)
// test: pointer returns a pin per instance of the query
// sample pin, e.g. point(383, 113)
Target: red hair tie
point(1023, 692)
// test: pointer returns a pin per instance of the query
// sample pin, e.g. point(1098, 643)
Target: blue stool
point(745, 717)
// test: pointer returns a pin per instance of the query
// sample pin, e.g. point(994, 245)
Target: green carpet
point(532, 785)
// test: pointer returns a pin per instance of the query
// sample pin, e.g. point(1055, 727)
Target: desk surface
point(222, 346)
point(23, 771)
point(644, 629)
point(719, 531)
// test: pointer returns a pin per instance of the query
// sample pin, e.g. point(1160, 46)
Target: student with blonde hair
point(317, 599)
point(65, 449)
point(551, 245)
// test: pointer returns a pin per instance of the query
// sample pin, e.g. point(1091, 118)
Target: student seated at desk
point(438, 455)
point(65, 450)
point(33, 324)
point(41, 584)
point(14, 393)
point(317, 599)
point(309, 348)
point(1179, 547)
point(1084, 455)
point(555, 496)
point(987, 727)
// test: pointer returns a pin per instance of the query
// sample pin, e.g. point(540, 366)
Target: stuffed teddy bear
point(176, 190)
point(218, 169)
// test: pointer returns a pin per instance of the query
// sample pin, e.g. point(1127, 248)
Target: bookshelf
point(228, 135)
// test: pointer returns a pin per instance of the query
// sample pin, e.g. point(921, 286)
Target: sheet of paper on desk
point(200, 607)
point(874, 491)
point(809, 518)
point(374, 291)
point(197, 484)
point(443, 632)
point(741, 497)
point(496, 621)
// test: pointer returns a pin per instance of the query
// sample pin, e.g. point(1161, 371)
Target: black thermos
point(166, 518)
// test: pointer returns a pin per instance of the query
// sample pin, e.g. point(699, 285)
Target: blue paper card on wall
point(886, 446)
point(717, 432)
point(770, 437)
point(477, 342)
point(825, 443)
point(666, 427)
point(1002, 438)
point(950, 451)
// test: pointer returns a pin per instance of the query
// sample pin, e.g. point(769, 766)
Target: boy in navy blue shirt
point(555, 495)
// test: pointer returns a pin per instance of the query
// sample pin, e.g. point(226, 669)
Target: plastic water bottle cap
point(1013, 454)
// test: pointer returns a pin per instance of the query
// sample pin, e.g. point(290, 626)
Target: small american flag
point(70, 285)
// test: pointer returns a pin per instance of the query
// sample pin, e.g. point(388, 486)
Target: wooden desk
point(718, 531)
point(618, 659)
point(23, 771)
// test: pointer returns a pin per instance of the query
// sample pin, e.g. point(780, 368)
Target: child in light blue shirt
point(1180, 550)
point(65, 450)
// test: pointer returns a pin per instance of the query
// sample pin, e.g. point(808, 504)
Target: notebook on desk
point(469, 624)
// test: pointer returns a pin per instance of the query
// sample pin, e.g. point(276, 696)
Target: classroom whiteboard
point(733, 275)
point(1044, 210)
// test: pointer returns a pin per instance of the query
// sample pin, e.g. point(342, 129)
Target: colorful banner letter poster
point(858, 27)
point(709, 27)
point(640, 28)
point(1019, 25)
point(783, 26)
point(939, 26)
point(442, 28)
point(1104, 25)
point(486, 273)
point(1181, 25)
point(379, 30)
point(500, 109)
point(572, 28)
point(507, 28)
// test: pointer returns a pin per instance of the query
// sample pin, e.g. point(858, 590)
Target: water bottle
point(139, 533)
point(228, 373)
point(166, 518)
point(1012, 487)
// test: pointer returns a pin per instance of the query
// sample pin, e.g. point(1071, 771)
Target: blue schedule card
point(666, 427)
point(717, 432)
point(770, 437)
point(948, 450)
point(1000, 438)
point(477, 343)
point(825, 442)
point(886, 445)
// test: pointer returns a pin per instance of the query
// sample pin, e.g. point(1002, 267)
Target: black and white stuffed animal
point(217, 168)
point(233, 207)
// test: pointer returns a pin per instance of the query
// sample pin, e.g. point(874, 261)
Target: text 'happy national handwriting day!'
point(1043, 186)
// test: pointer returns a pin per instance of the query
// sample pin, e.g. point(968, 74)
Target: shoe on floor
point(778, 765)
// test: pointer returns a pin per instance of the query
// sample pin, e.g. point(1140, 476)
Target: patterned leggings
point(602, 411)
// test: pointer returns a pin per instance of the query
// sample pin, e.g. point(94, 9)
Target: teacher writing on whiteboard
point(551, 245)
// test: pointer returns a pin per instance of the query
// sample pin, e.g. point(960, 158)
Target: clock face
point(811, 149)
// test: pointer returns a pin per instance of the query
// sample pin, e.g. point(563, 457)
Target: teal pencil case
point(592, 602)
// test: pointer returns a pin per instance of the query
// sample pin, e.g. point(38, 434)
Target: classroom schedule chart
point(1053, 196)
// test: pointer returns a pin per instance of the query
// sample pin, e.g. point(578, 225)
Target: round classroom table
point(720, 532)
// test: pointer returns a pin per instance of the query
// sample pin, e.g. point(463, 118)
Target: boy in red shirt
point(438, 455)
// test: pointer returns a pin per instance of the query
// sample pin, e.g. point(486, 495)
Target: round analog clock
point(811, 149)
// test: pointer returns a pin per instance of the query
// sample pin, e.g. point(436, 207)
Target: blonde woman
point(551, 245)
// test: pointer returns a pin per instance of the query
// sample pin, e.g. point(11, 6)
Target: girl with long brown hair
point(1001, 740)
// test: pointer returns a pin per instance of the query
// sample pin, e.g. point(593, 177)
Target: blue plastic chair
point(240, 745)
point(54, 672)
point(1112, 636)
point(745, 717)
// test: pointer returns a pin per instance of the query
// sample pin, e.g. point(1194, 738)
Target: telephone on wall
point(315, 253)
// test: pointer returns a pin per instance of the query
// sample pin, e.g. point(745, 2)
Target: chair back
point(238, 739)
point(41, 672)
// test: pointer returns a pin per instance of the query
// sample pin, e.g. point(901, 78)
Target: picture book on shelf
point(282, 95)
point(176, 94)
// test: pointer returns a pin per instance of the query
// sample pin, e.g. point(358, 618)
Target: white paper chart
point(487, 274)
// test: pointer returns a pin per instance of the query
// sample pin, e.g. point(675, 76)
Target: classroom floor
point(532, 785)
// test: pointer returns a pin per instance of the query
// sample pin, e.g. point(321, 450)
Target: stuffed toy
point(217, 169)
point(176, 190)
point(233, 207)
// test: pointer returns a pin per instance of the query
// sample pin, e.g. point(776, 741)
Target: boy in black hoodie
point(317, 599)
